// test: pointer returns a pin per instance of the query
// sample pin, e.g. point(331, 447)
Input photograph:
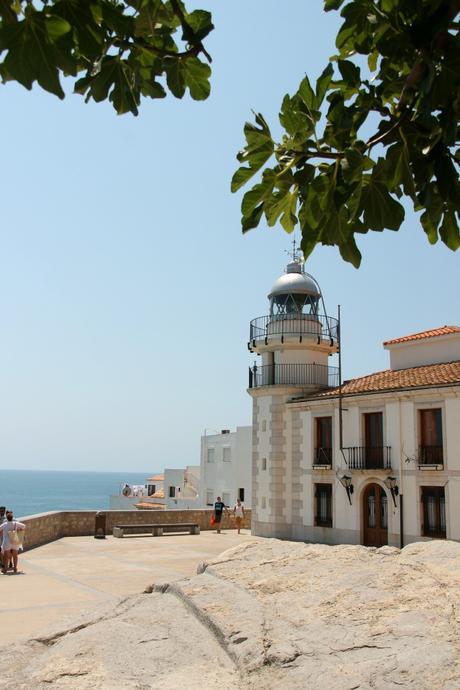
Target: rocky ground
point(271, 615)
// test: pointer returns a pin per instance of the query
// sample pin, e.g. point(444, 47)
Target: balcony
point(296, 325)
point(369, 457)
point(322, 457)
point(430, 456)
point(317, 375)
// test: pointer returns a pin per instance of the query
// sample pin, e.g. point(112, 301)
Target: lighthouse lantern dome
point(294, 292)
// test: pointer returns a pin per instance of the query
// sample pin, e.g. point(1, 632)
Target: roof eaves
point(377, 391)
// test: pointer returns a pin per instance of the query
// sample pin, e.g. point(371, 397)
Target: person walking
point(238, 512)
point(219, 507)
point(2, 520)
point(11, 541)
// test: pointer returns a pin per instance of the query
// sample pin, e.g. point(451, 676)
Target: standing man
point(219, 507)
point(238, 512)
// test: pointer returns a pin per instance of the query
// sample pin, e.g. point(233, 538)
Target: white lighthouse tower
point(293, 343)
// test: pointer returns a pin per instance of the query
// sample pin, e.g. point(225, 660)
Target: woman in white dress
point(10, 543)
point(238, 512)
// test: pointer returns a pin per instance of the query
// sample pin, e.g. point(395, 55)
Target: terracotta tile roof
point(146, 505)
point(156, 478)
point(415, 377)
point(435, 332)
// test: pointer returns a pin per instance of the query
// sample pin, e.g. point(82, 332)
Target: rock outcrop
point(268, 614)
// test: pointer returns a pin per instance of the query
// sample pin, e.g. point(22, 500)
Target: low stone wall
point(42, 528)
point(47, 527)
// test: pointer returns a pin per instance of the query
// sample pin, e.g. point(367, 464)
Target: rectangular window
point(226, 499)
point(172, 492)
point(323, 444)
point(241, 494)
point(263, 503)
point(211, 454)
point(373, 433)
point(434, 512)
point(151, 489)
point(264, 463)
point(226, 454)
point(264, 425)
point(209, 498)
point(430, 450)
point(323, 505)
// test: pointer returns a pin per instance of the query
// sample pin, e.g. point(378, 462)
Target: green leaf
point(372, 60)
point(104, 80)
point(307, 94)
point(258, 193)
point(349, 251)
point(31, 55)
point(56, 27)
point(352, 165)
point(332, 5)
point(253, 220)
point(153, 89)
point(294, 120)
point(351, 74)
point(282, 203)
point(123, 95)
point(430, 227)
point(381, 211)
point(175, 76)
point(398, 170)
point(449, 230)
point(199, 25)
point(87, 33)
point(323, 83)
point(258, 150)
point(289, 219)
point(196, 74)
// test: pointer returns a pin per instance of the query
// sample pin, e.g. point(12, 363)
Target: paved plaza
point(72, 574)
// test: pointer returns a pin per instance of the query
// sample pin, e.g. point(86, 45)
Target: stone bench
point(157, 529)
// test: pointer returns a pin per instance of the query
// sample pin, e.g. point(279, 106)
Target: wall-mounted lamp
point(345, 480)
point(390, 483)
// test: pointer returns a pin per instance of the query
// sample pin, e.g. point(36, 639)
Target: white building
point(130, 496)
point(390, 472)
point(226, 466)
point(181, 488)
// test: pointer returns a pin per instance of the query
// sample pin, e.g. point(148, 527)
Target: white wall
point(184, 498)
point(227, 476)
point(452, 433)
point(444, 348)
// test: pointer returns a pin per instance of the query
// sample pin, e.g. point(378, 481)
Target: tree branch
point(377, 139)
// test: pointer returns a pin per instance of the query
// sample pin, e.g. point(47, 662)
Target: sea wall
point(46, 527)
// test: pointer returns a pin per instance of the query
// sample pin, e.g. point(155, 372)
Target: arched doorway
point(375, 516)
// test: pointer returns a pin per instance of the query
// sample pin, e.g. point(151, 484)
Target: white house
point(374, 462)
point(226, 466)
point(181, 488)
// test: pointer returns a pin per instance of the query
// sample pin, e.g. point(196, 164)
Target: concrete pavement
point(75, 573)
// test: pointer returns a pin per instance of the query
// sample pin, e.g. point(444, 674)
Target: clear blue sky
point(126, 287)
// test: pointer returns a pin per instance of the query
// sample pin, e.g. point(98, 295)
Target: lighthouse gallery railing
point(319, 375)
point(296, 324)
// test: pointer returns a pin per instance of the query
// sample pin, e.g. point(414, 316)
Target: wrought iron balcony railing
point(318, 375)
point(293, 325)
point(430, 455)
point(369, 457)
point(323, 456)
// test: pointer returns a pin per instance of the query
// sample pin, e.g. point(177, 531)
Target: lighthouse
point(292, 345)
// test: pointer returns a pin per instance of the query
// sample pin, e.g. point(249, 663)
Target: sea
point(28, 492)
